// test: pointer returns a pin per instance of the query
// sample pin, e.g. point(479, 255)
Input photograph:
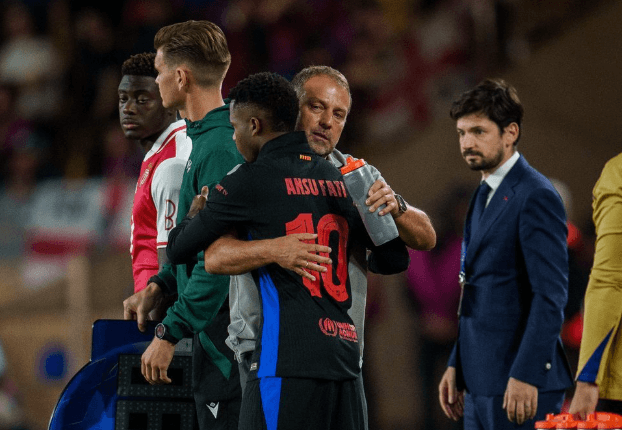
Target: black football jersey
point(306, 331)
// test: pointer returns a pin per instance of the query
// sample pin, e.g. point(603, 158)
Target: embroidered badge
point(145, 174)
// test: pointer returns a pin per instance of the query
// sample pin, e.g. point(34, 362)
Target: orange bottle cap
point(351, 165)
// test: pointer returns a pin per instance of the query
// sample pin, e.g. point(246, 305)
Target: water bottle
point(358, 178)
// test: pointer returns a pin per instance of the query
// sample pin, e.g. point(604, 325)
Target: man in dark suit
point(508, 368)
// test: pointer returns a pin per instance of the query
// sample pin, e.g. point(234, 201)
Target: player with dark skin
point(142, 116)
point(324, 107)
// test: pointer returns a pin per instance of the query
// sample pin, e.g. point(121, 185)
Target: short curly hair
point(140, 65)
point(271, 93)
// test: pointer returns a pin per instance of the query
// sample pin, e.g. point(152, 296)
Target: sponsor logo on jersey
point(344, 330)
point(328, 327)
point(188, 165)
point(305, 157)
point(145, 175)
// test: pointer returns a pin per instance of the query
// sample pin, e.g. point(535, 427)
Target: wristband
point(157, 280)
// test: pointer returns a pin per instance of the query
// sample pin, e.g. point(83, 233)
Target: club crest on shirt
point(145, 174)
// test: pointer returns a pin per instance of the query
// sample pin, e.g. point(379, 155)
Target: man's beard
point(323, 149)
point(484, 163)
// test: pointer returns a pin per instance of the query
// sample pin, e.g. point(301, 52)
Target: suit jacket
point(516, 267)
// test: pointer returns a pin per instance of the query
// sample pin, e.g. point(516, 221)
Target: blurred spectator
point(91, 93)
point(94, 74)
point(141, 20)
point(13, 127)
point(16, 197)
point(29, 61)
point(405, 74)
point(432, 280)
point(121, 163)
point(372, 66)
point(445, 38)
point(404, 58)
point(245, 38)
point(22, 153)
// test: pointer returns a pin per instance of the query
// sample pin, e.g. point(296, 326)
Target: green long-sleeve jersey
point(200, 294)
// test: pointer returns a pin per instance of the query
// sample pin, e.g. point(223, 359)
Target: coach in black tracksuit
point(304, 367)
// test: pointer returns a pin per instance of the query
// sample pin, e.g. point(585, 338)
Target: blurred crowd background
point(67, 173)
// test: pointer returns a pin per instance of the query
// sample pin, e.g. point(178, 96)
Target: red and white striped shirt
point(155, 201)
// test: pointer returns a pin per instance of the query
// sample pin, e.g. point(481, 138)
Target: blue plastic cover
point(88, 402)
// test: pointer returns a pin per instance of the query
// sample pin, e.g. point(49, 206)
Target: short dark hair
point(494, 98)
point(199, 44)
point(301, 78)
point(140, 65)
point(271, 93)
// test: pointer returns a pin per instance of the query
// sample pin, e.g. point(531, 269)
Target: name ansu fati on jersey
point(315, 187)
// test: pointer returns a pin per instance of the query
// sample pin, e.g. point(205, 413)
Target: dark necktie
point(479, 205)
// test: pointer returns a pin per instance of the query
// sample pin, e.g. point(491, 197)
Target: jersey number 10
point(327, 225)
